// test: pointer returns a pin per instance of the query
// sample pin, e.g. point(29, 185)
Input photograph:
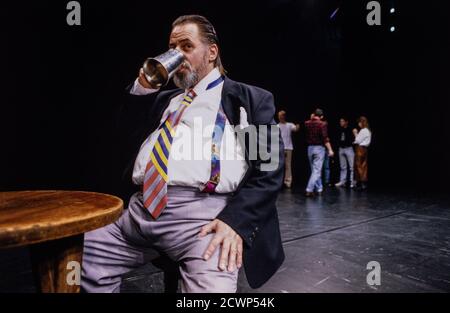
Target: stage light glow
point(334, 14)
point(392, 29)
point(392, 10)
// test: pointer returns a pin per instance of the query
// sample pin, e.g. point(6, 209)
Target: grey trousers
point(130, 242)
point(347, 155)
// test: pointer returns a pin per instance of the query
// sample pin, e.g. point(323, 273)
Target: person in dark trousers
point(327, 161)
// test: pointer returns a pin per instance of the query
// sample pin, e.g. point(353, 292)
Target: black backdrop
point(62, 84)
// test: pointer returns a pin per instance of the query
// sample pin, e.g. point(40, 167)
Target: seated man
point(210, 215)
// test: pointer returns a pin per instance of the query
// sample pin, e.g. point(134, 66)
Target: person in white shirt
point(362, 141)
point(198, 196)
point(286, 130)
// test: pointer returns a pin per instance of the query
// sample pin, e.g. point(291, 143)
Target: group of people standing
point(353, 151)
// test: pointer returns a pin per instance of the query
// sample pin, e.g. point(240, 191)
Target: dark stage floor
point(328, 243)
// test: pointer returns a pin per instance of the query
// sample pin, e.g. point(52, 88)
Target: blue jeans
point(326, 169)
point(316, 155)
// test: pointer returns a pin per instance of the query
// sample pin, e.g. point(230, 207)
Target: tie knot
point(191, 93)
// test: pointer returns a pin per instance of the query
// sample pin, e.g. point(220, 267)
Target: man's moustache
point(185, 65)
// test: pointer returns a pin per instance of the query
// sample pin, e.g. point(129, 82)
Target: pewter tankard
point(159, 70)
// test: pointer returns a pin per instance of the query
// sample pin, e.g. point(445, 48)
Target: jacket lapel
point(231, 101)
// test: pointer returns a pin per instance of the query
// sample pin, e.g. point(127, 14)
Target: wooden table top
point(28, 217)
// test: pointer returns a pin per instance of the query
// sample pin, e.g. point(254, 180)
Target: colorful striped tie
point(155, 179)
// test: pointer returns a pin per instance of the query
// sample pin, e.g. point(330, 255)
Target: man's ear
point(213, 52)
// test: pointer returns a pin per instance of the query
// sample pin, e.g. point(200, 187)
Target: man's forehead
point(184, 31)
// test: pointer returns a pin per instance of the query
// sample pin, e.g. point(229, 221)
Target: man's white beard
point(186, 81)
point(189, 80)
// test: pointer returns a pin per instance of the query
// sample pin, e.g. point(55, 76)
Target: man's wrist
point(140, 90)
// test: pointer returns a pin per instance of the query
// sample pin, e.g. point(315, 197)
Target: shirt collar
point(201, 85)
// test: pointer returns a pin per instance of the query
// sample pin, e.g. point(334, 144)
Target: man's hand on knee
point(231, 242)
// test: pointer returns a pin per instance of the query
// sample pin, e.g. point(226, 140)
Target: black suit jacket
point(251, 211)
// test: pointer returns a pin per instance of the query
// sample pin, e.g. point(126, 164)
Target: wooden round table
point(53, 224)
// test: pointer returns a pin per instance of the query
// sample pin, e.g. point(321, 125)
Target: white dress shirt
point(189, 162)
point(363, 138)
point(286, 130)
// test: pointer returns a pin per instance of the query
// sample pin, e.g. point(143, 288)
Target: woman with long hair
point(362, 141)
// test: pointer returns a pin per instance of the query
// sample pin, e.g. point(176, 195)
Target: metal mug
point(159, 70)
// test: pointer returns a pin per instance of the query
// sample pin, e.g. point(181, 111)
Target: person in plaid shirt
point(317, 140)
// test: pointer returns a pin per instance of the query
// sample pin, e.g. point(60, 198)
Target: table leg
point(57, 264)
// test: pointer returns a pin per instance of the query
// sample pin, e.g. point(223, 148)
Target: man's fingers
point(204, 231)
point(142, 80)
point(239, 253)
point(207, 229)
point(212, 246)
point(232, 256)
point(223, 261)
point(141, 75)
point(232, 246)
